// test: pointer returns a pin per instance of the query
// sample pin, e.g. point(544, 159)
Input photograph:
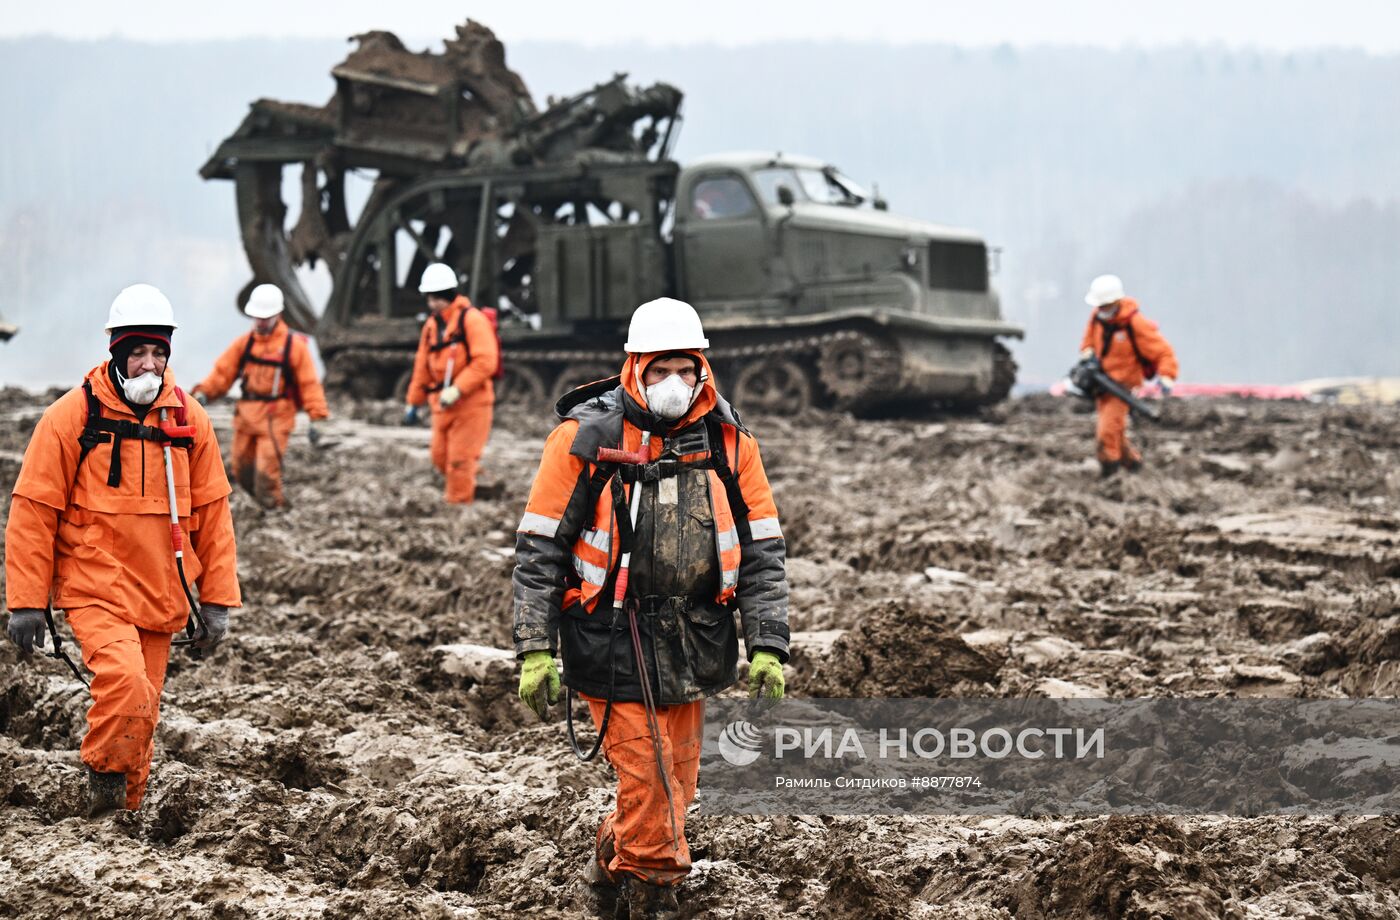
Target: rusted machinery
point(567, 218)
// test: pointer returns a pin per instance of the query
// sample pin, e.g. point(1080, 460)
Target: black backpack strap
point(289, 380)
point(1106, 329)
point(737, 506)
point(1148, 367)
point(247, 355)
point(625, 535)
point(91, 437)
point(602, 472)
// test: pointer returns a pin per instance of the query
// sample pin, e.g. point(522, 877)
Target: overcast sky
point(1274, 24)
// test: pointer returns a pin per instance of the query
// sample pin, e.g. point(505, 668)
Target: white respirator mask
point(140, 390)
point(670, 398)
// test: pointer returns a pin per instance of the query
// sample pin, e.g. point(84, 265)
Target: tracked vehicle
point(566, 219)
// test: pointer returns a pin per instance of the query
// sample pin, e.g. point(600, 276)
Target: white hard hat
point(1104, 290)
point(265, 302)
point(438, 277)
point(140, 305)
point(665, 324)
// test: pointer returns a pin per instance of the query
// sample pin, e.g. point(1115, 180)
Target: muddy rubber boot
point(602, 890)
point(1132, 465)
point(641, 900)
point(106, 793)
point(601, 893)
point(1108, 468)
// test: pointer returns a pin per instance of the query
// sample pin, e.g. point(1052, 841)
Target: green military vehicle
point(566, 219)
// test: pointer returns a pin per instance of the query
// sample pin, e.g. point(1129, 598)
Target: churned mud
point(355, 748)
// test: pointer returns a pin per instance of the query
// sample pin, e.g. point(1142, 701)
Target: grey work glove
point(27, 630)
point(200, 398)
point(410, 416)
point(215, 624)
point(313, 433)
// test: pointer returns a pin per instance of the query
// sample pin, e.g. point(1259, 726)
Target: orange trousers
point(459, 437)
point(260, 436)
point(1113, 432)
point(128, 675)
point(638, 831)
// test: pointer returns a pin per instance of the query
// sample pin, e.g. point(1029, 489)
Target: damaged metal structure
point(568, 217)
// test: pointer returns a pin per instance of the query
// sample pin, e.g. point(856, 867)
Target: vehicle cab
point(769, 234)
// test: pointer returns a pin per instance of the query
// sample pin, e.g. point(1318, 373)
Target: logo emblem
point(740, 743)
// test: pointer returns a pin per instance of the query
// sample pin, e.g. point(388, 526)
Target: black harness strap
point(288, 378)
point(1106, 327)
point(614, 474)
point(99, 430)
point(460, 336)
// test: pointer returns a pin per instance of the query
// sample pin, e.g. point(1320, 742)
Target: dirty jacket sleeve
point(481, 344)
point(763, 584)
point(313, 395)
point(40, 495)
point(225, 370)
point(213, 541)
point(1155, 347)
point(554, 516)
point(422, 375)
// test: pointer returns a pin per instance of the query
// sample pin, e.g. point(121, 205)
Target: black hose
point(58, 651)
point(607, 709)
point(192, 633)
point(653, 725)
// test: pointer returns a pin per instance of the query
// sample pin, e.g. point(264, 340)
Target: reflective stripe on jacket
point(568, 546)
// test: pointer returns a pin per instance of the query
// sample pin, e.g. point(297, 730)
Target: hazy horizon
point(1277, 25)
point(1250, 199)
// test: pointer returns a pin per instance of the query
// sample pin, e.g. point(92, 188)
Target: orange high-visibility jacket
point(473, 354)
point(556, 510)
point(76, 541)
point(298, 375)
point(1120, 361)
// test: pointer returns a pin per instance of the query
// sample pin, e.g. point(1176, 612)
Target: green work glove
point(766, 676)
point(539, 681)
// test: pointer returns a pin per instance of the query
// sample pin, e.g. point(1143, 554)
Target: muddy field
point(356, 750)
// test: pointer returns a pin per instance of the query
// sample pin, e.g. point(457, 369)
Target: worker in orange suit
point(1131, 349)
point(90, 533)
point(452, 372)
point(707, 544)
point(278, 378)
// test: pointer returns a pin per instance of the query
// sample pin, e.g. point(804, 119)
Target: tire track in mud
point(356, 747)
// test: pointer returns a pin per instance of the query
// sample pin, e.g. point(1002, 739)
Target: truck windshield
point(823, 186)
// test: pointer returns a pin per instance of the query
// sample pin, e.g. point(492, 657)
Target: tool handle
point(620, 594)
point(610, 455)
point(177, 538)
